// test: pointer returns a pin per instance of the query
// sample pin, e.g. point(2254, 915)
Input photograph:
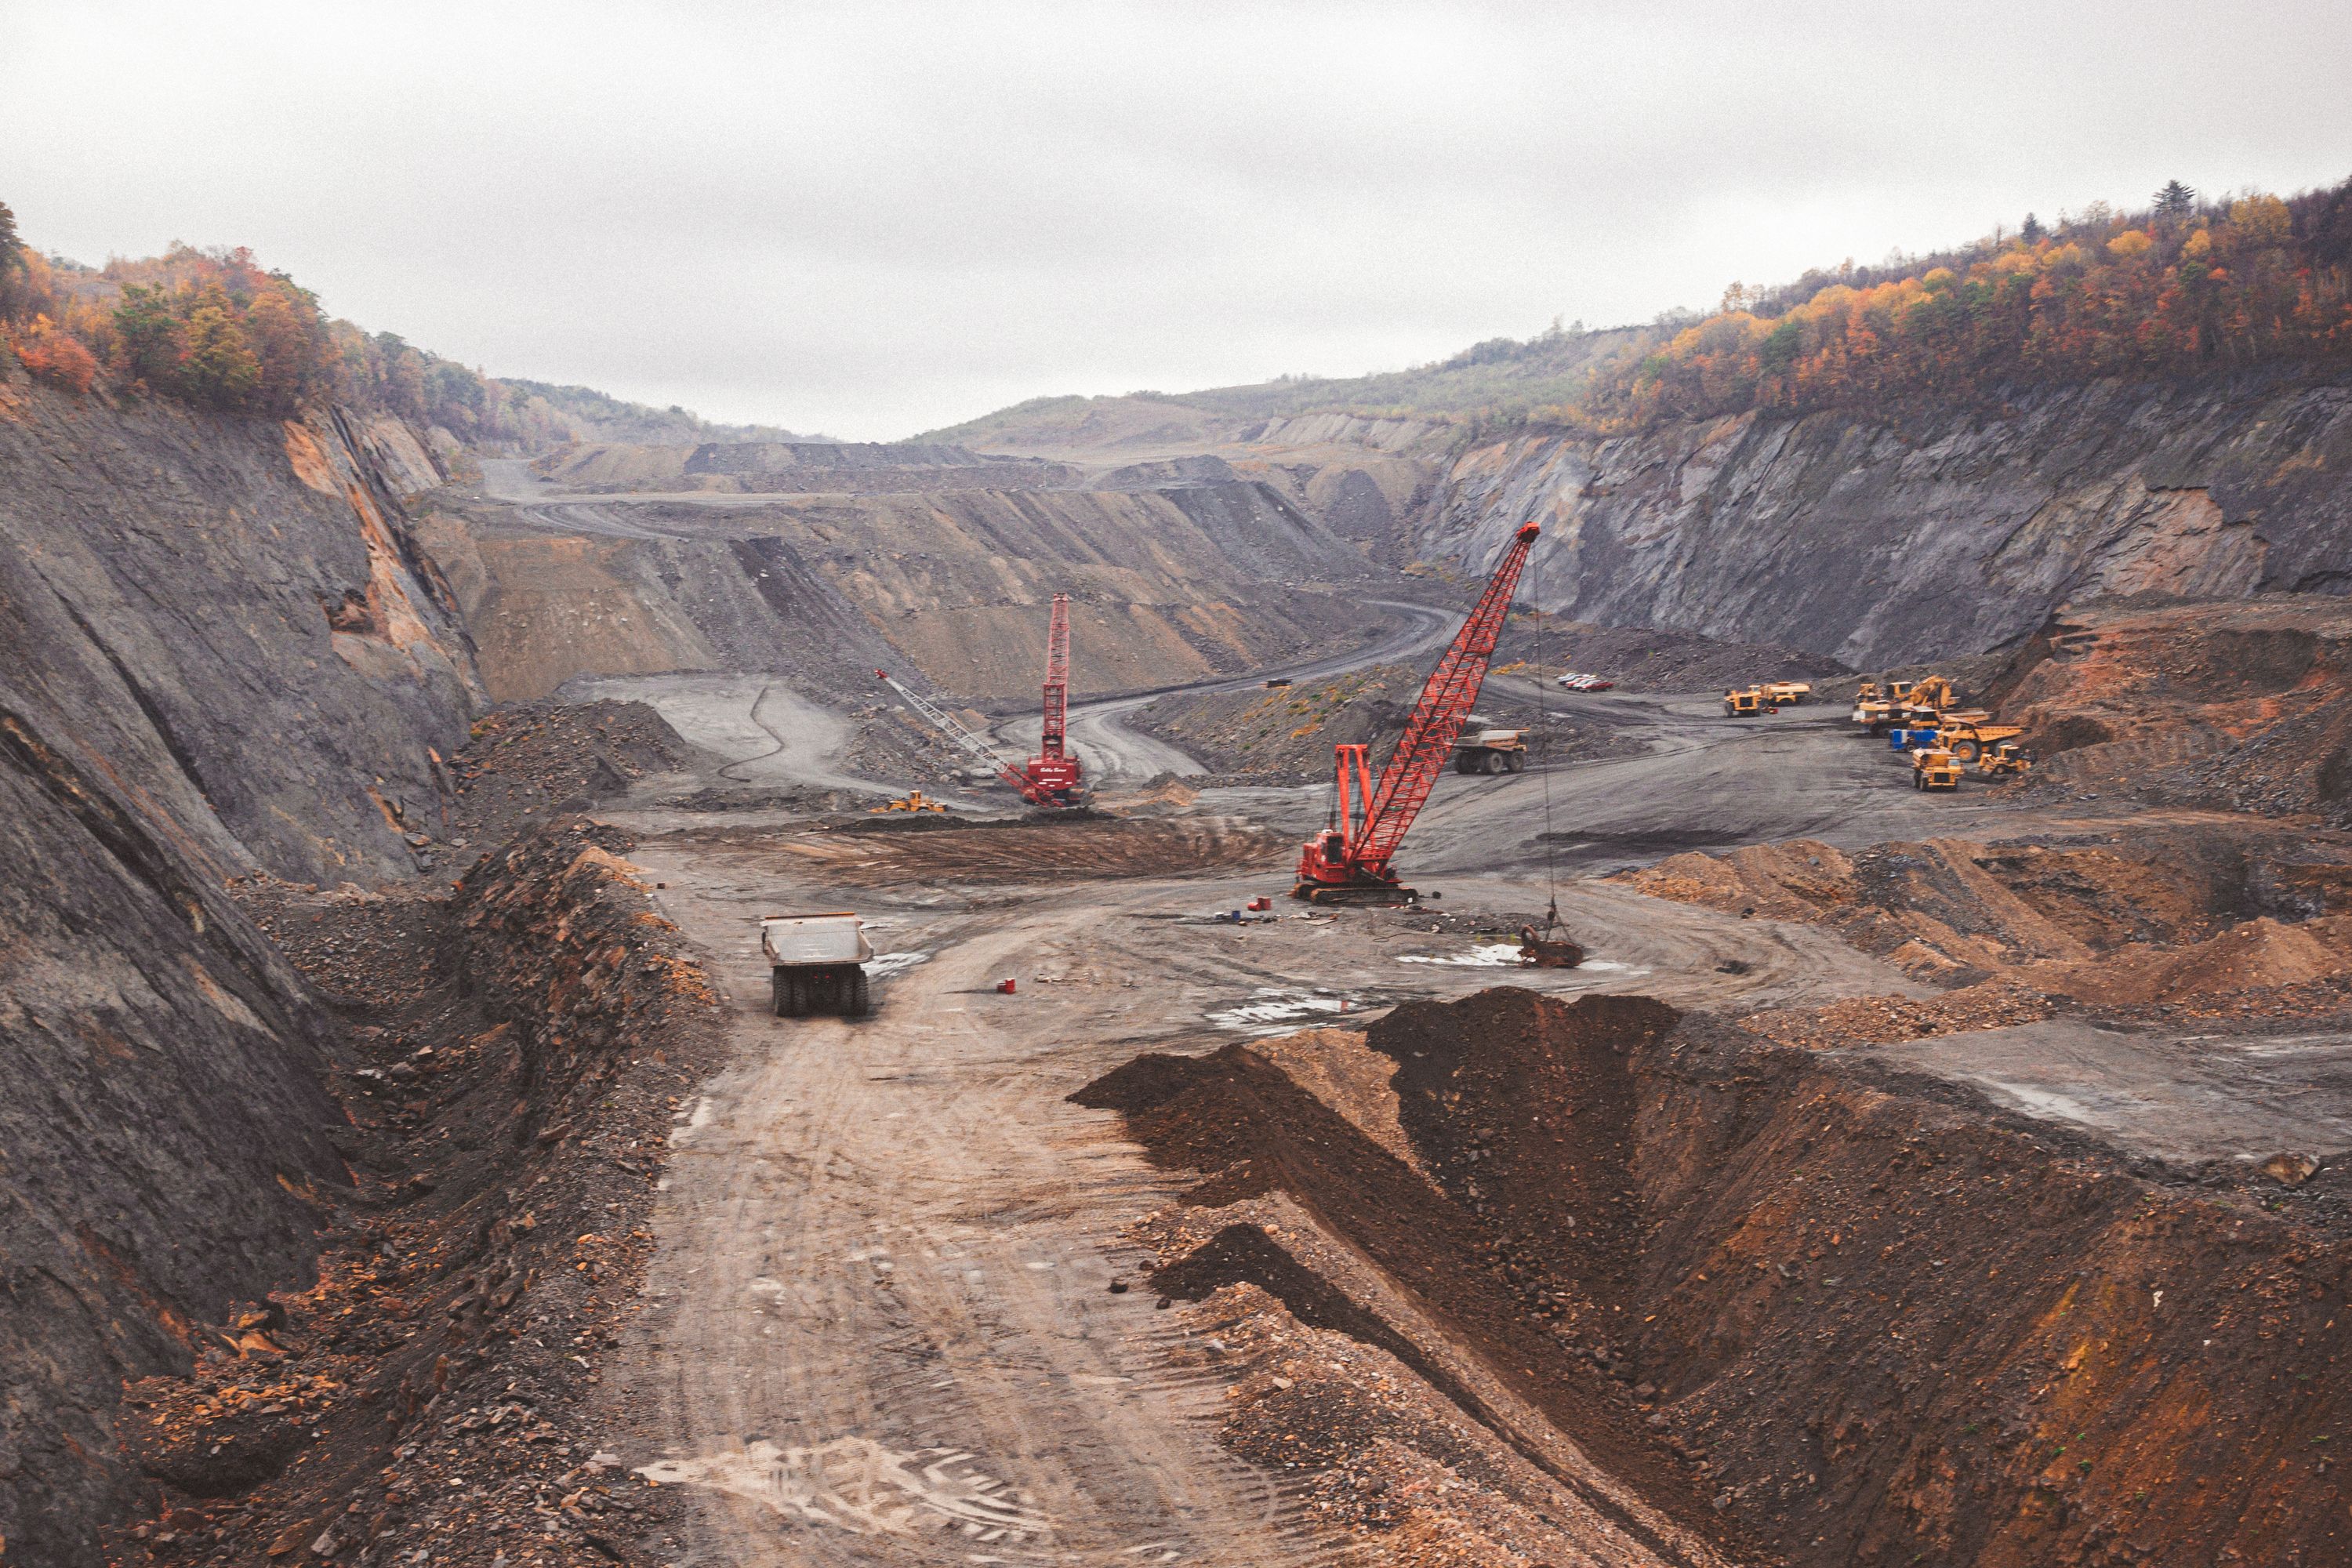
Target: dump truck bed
point(795, 940)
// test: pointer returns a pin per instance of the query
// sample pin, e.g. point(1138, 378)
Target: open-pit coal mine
point(1431, 986)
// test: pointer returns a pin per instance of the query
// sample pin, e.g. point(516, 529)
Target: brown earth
point(2233, 704)
point(1824, 1314)
point(2189, 917)
point(512, 1064)
point(882, 852)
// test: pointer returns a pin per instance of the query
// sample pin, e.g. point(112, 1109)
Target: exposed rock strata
point(231, 618)
point(1934, 531)
point(162, 1125)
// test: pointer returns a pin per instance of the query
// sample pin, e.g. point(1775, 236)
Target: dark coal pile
point(529, 762)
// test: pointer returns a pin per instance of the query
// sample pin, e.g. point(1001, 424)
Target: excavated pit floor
point(885, 1324)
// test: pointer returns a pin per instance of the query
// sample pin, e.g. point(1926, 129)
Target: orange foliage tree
point(2176, 290)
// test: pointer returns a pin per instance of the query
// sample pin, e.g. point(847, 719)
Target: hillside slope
point(930, 559)
point(219, 652)
point(1953, 530)
point(230, 617)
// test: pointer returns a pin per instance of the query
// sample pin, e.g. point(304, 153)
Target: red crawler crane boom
point(1054, 772)
point(1051, 780)
point(1348, 861)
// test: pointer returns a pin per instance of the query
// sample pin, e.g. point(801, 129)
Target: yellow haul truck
point(1934, 769)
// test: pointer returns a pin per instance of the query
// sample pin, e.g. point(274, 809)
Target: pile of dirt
point(515, 1059)
point(1860, 1317)
point(1496, 1265)
point(2235, 704)
point(1953, 911)
point(1647, 658)
point(528, 762)
point(1285, 733)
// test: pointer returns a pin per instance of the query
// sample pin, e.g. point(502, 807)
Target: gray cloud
point(871, 219)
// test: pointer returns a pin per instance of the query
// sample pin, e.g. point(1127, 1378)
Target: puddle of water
point(857, 1485)
point(1497, 955)
point(1276, 1010)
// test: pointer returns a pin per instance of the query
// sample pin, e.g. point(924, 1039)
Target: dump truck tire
point(859, 1002)
point(1468, 763)
point(1967, 750)
point(1516, 762)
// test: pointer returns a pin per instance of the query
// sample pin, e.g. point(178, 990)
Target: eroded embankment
point(1793, 1301)
point(516, 1054)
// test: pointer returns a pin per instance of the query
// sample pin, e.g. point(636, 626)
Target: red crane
point(1050, 780)
point(1348, 860)
point(1054, 772)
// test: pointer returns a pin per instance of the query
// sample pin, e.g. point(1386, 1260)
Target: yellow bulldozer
point(2004, 760)
point(1874, 705)
point(911, 801)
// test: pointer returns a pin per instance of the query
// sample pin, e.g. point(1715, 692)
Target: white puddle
point(1498, 956)
point(1276, 1010)
point(1505, 955)
point(860, 1486)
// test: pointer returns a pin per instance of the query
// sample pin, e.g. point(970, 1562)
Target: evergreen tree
point(2032, 230)
point(2175, 200)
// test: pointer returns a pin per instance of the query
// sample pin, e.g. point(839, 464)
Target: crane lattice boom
point(1057, 679)
point(1053, 779)
point(1356, 854)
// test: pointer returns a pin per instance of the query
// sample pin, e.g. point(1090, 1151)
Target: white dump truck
point(817, 962)
point(1491, 752)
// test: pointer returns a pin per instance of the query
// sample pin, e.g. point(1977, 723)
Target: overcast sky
point(874, 219)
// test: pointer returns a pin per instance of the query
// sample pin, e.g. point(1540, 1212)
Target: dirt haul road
point(881, 1324)
point(883, 1327)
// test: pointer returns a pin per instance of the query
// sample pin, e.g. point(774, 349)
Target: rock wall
point(1930, 533)
point(231, 620)
point(162, 1122)
point(219, 651)
point(1169, 584)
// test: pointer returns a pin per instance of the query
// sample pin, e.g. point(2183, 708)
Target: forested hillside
point(214, 328)
point(2184, 288)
